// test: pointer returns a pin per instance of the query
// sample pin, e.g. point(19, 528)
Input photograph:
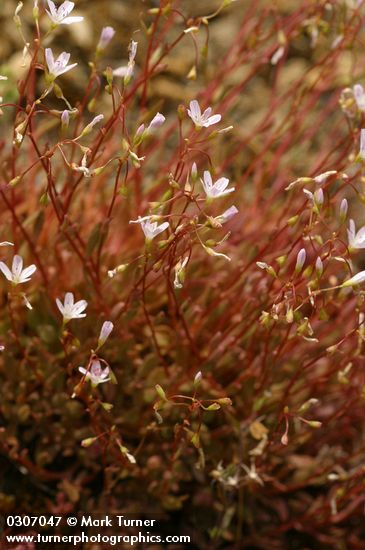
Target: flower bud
point(197, 379)
point(343, 210)
point(161, 392)
point(314, 423)
point(88, 441)
point(318, 197)
point(90, 126)
point(194, 172)
point(308, 404)
point(106, 329)
point(65, 120)
point(35, 10)
point(224, 401)
point(106, 36)
point(319, 267)
point(355, 280)
point(300, 260)
point(156, 122)
point(362, 144)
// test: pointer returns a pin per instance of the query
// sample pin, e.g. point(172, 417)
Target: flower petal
point(66, 8)
point(221, 184)
point(6, 271)
point(17, 265)
point(212, 120)
point(27, 272)
point(195, 108)
point(52, 8)
point(70, 20)
point(60, 306)
point(49, 59)
point(79, 307)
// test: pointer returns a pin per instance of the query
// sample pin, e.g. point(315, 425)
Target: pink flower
point(96, 374)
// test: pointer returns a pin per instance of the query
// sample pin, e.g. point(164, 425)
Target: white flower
point(362, 144)
point(3, 77)
point(216, 189)
point(180, 272)
point(60, 16)
point(71, 309)
point(17, 275)
point(252, 473)
point(96, 374)
point(200, 119)
point(150, 229)
point(106, 329)
point(356, 239)
point(58, 67)
point(359, 96)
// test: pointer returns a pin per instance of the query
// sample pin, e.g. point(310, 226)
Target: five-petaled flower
point(58, 66)
point(71, 309)
point(356, 238)
point(96, 374)
point(200, 119)
point(216, 189)
point(60, 16)
point(17, 275)
point(150, 228)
